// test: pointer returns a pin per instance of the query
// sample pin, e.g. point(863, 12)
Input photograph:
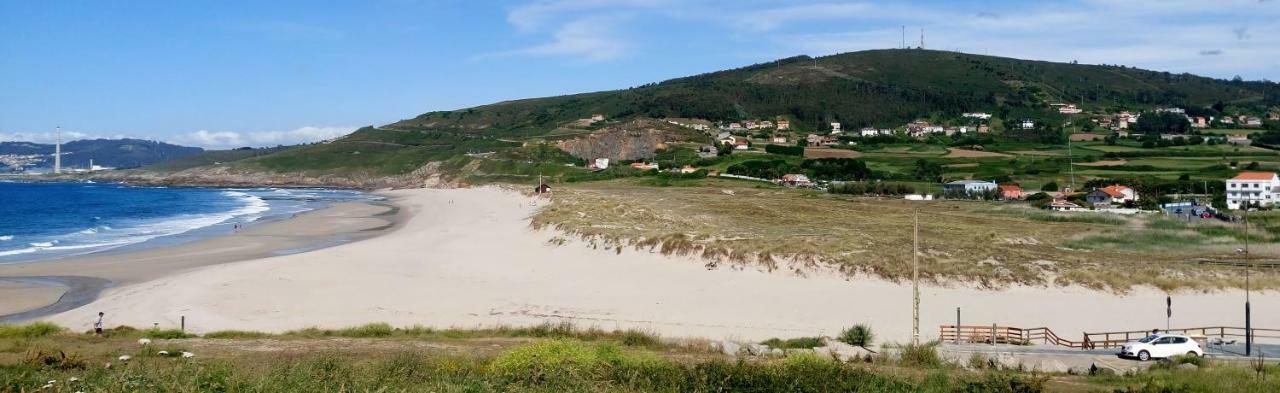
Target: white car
point(1161, 346)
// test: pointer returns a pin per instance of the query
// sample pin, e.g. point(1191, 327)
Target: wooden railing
point(995, 334)
point(1116, 339)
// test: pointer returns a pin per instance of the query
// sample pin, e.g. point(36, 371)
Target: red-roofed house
point(1252, 188)
point(1010, 192)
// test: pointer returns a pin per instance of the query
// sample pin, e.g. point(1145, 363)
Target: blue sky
point(225, 74)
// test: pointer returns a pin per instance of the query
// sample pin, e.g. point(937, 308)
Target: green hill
point(882, 88)
point(869, 88)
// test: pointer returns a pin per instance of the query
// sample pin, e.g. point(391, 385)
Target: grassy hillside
point(879, 87)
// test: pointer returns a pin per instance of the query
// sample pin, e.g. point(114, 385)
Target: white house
point(970, 186)
point(978, 115)
point(835, 127)
point(868, 132)
point(601, 163)
point(1252, 188)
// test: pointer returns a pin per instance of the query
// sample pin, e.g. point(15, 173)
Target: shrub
point(859, 335)
point(556, 362)
point(796, 343)
point(38, 329)
point(241, 334)
point(921, 355)
point(165, 334)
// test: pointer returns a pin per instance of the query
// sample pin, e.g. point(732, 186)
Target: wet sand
point(39, 288)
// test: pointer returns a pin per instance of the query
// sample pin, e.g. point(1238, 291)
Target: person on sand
point(97, 326)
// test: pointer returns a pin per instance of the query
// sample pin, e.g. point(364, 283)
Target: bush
point(925, 355)
point(38, 329)
point(557, 363)
point(794, 343)
point(859, 335)
point(167, 334)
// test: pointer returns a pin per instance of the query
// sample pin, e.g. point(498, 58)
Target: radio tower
point(921, 38)
point(57, 151)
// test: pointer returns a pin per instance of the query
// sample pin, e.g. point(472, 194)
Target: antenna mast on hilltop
point(921, 38)
point(57, 151)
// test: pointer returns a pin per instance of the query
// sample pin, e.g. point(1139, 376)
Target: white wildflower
point(73, 379)
point(163, 353)
point(144, 341)
point(49, 386)
point(125, 358)
point(186, 354)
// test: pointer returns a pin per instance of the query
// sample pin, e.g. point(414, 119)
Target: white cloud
point(233, 139)
point(44, 137)
point(591, 39)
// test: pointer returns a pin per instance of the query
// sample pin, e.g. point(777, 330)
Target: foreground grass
point(991, 245)
point(367, 359)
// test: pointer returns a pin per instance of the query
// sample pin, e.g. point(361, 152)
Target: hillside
point(118, 153)
point(869, 88)
point(881, 88)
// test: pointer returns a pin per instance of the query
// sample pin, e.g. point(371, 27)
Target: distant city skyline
point(229, 74)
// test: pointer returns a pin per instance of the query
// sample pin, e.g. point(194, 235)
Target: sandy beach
point(31, 285)
point(467, 258)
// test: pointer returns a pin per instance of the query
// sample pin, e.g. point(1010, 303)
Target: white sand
point(467, 258)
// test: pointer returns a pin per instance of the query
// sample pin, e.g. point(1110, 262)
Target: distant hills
point(118, 153)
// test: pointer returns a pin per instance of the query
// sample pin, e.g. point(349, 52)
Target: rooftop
point(1255, 176)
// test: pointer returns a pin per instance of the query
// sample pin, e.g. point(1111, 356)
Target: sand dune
point(466, 257)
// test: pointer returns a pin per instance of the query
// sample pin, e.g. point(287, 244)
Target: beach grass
point(974, 243)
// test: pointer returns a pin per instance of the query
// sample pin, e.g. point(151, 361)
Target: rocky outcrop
point(634, 140)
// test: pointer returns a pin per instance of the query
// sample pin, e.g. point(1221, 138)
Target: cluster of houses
point(782, 124)
point(1108, 197)
point(1121, 121)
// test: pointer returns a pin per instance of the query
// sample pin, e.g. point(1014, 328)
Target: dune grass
point(38, 329)
point(962, 242)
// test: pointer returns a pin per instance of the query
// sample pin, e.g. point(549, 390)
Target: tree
point(1050, 186)
point(1158, 122)
point(928, 170)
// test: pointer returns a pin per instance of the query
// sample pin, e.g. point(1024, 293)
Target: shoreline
point(468, 258)
point(44, 287)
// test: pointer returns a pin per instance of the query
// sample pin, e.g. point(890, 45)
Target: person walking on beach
point(97, 326)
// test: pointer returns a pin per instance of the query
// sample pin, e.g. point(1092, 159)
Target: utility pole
point(1248, 322)
point(915, 280)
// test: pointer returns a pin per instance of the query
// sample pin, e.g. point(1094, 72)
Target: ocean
point(41, 221)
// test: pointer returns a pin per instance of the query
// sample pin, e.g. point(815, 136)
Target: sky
point(223, 74)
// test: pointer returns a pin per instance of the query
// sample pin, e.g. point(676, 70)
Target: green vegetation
point(736, 222)
point(38, 329)
point(859, 335)
point(797, 151)
point(480, 361)
point(794, 343)
point(375, 151)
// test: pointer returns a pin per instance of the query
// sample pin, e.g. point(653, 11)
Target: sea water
point(55, 220)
